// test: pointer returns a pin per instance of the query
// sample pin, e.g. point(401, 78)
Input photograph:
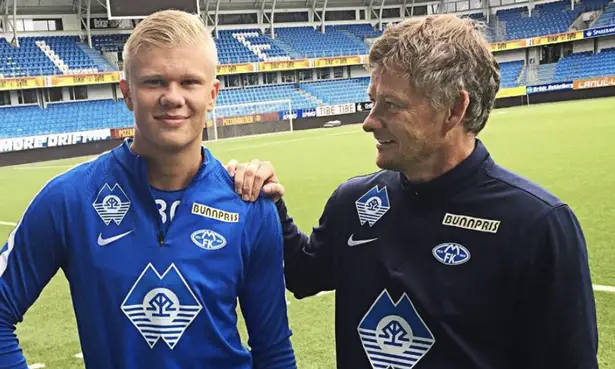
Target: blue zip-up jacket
point(476, 269)
point(148, 296)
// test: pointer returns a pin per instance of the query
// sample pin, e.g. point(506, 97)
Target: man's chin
point(172, 142)
point(385, 163)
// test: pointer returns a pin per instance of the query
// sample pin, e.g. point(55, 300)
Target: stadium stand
point(231, 50)
point(585, 65)
point(339, 91)
point(64, 117)
point(66, 55)
point(607, 18)
point(593, 5)
point(510, 72)
point(546, 19)
point(540, 74)
point(53, 55)
point(360, 31)
point(109, 43)
point(299, 99)
point(311, 43)
point(260, 45)
point(28, 60)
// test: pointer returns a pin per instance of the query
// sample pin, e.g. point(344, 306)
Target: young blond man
point(156, 246)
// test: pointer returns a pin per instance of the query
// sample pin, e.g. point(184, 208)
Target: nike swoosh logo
point(105, 241)
point(352, 242)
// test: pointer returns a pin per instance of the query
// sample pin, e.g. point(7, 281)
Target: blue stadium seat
point(249, 96)
point(546, 19)
point(45, 55)
point(27, 60)
point(109, 43)
point(607, 18)
point(585, 65)
point(66, 49)
point(63, 117)
point(339, 91)
point(510, 72)
point(311, 43)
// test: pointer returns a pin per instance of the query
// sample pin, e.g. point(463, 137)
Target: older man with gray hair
point(442, 259)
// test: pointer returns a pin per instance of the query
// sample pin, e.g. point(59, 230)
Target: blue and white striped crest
point(393, 335)
point(161, 306)
point(111, 204)
point(373, 205)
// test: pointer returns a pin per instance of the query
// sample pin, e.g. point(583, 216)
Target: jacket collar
point(456, 179)
point(134, 164)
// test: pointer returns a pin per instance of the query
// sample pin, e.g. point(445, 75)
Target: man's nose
point(371, 122)
point(172, 96)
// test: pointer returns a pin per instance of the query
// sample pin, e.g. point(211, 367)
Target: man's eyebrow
point(147, 76)
point(150, 76)
point(393, 96)
point(193, 76)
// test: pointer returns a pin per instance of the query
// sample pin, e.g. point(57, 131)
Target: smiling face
point(170, 90)
point(408, 131)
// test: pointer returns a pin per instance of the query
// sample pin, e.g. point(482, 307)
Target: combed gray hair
point(440, 55)
point(168, 28)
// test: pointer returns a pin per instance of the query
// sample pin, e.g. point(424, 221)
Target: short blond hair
point(440, 55)
point(169, 28)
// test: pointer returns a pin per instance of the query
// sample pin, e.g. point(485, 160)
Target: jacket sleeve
point(28, 260)
point(262, 295)
point(559, 311)
point(310, 261)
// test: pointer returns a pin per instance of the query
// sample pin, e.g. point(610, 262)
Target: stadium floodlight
point(261, 117)
point(139, 9)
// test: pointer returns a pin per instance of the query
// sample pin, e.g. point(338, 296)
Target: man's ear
point(215, 90)
point(126, 94)
point(457, 111)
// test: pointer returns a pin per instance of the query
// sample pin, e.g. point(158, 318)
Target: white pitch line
point(281, 142)
point(35, 167)
point(604, 288)
point(79, 356)
point(36, 366)
point(596, 287)
point(10, 224)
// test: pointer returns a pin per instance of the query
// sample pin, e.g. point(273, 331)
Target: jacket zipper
point(161, 234)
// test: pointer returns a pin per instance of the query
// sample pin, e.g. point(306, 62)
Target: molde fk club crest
point(111, 204)
point(161, 306)
point(372, 205)
point(393, 335)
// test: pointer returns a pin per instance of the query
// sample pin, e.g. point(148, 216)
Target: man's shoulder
point(217, 187)
point(77, 178)
point(517, 197)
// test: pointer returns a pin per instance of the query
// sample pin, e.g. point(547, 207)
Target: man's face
point(170, 91)
point(408, 131)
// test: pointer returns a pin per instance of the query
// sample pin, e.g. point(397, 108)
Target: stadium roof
point(99, 6)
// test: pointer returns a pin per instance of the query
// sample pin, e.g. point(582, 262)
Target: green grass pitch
point(566, 147)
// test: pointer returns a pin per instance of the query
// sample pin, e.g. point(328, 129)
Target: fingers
point(239, 177)
point(263, 175)
point(274, 190)
point(248, 179)
point(251, 178)
point(231, 167)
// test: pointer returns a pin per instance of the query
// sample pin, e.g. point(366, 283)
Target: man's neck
point(442, 161)
point(172, 171)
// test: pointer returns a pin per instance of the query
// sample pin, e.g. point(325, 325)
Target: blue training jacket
point(147, 296)
point(477, 269)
